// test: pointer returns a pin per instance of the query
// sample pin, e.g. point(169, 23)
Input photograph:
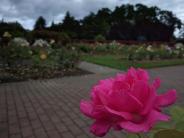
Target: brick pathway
point(50, 108)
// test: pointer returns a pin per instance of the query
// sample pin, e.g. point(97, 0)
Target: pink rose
point(127, 102)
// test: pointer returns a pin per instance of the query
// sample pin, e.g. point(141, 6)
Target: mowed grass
point(115, 61)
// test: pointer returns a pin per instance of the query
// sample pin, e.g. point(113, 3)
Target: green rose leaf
point(129, 135)
point(163, 125)
point(177, 113)
point(169, 133)
point(180, 125)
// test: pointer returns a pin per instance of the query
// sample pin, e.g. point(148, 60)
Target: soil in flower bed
point(14, 75)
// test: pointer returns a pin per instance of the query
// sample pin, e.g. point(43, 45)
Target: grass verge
point(114, 61)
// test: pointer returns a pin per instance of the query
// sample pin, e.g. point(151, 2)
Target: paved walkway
point(50, 108)
point(97, 69)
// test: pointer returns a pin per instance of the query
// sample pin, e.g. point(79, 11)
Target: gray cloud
point(26, 11)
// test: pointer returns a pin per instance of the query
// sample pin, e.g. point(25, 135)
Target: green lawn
point(114, 61)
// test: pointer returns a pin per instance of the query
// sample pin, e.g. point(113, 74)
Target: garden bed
point(41, 60)
point(15, 76)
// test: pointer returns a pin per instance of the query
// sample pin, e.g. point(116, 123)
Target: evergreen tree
point(40, 24)
point(70, 26)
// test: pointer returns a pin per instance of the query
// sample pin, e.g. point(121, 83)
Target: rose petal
point(120, 86)
point(167, 98)
point(141, 91)
point(117, 127)
point(147, 123)
point(124, 101)
point(103, 88)
point(100, 128)
point(156, 83)
point(150, 102)
point(86, 108)
point(142, 74)
point(125, 115)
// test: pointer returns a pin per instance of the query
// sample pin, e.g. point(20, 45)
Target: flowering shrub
point(134, 52)
point(84, 48)
point(14, 55)
point(179, 50)
point(100, 38)
point(40, 43)
point(23, 62)
point(150, 52)
point(140, 53)
point(127, 101)
point(19, 42)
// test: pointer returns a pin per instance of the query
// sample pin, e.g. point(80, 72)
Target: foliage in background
point(124, 56)
point(99, 38)
point(126, 22)
point(24, 62)
point(14, 28)
point(134, 52)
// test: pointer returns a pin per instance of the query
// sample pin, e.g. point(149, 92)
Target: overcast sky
point(26, 11)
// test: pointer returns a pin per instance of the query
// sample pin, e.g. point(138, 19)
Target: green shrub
point(85, 48)
point(41, 62)
point(140, 53)
point(14, 55)
point(101, 48)
point(55, 58)
point(100, 38)
point(64, 38)
point(130, 52)
point(124, 51)
point(65, 58)
point(163, 54)
point(179, 51)
point(112, 47)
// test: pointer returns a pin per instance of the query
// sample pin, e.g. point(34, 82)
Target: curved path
point(50, 108)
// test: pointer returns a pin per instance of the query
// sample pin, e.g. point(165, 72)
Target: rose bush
point(127, 101)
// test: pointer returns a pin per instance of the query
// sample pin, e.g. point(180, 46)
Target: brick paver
point(50, 108)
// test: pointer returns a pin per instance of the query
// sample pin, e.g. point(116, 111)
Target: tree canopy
point(125, 22)
point(14, 28)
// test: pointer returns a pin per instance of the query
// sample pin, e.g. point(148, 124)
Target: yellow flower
point(7, 35)
point(43, 56)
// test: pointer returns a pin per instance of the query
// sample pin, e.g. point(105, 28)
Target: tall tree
point(88, 26)
point(181, 32)
point(40, 23)
point(70, 26)
point(103, 21)
point(96, 24)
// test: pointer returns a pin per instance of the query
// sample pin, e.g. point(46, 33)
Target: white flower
point(41, 43)
point(20, 42)
point(139, 49)
point(30, 52)
point(179, 45)
point(149, 48)
point(176, 52)
point(7, 34)
point(73, 48)
point(52, 41)
point(168, 48)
